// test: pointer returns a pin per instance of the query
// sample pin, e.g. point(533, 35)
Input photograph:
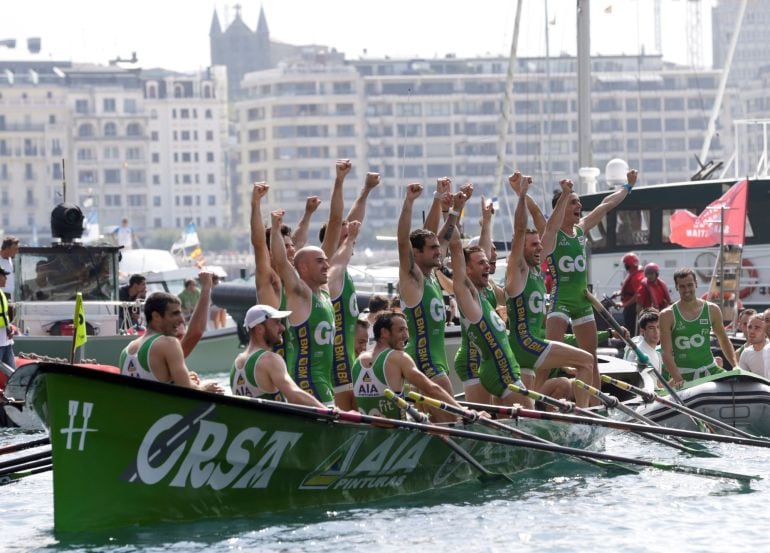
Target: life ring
point(747, 267)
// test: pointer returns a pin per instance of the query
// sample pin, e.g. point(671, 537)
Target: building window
point(86, 130)
point(156, 179)
point(135, 176)
point(210, 178)
point(210, 157)
point(156, 201)
point(108, 105)
point(208, 114)
point(134, 129)
point(112, 176)
point(81, 106)
point(129, 105)
point(210, 136)
point(110, 129)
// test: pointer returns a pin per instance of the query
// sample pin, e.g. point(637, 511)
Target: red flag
point(704, 230)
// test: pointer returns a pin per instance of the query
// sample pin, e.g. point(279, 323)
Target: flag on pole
point(705, 230)
point(189, 239)
point(79, 335)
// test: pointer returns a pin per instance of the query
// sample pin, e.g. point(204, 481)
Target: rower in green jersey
point(259, 372)
point(388, 366)
point(470, 275)
point(344, 301)
point(685, 330)
point(568, 263)
point(419, 253)
point(526, 301)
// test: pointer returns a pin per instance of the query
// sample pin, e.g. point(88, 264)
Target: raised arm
point(358, 209)
point(443, 189)
point(300, 233)
point(538, 219)
point(453, 217)
point(485, 236)
point(286, 271)
point(548, 238)
point(406, 266)
point(334, 224)
point(200, 315)
point(516, 263)
point(263, 274)
point(609, 203)
point(338, 264)
point(466, 299)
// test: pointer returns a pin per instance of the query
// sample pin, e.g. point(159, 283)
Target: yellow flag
point(80, 322)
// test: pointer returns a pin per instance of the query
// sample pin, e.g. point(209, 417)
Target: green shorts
point(578, 310)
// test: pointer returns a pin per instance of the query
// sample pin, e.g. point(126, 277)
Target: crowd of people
point(309, 344)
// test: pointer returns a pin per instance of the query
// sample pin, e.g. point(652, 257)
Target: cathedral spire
point(262, 23)
point(216, 28)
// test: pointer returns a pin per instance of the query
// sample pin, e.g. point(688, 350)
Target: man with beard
point(306, 285)
point(685, 330)
point(258, 372)
point(525, 292)
point(388, 366)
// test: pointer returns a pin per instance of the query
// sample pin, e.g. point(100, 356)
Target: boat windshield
point(60, 275)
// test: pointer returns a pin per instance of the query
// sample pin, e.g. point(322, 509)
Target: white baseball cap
point(258, 314)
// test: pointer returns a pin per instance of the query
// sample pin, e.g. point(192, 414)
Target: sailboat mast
point(584, 82)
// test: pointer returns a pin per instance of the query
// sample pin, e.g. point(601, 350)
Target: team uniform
point(526, 315)
point(243, 381)
point(310, 350)
point(426, 322)
point(282, 349)
point(369, 385)
point(138, 364)
point(691, 341)
point(567, 265)
point(468, 357)
point(499, 367)
point(345, 316)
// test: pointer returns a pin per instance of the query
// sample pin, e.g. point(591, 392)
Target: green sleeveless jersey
point(468, 357)
point(345, 316)
point(426, 322)
point(369, 385)
point(311, 346)
point(243, 381)
point(527, 310)
point(138, 364)
point(283, 348)
point(691, 340)
point(568, 267)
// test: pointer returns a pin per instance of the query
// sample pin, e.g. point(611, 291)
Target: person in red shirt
point(628, 290)
point(652, 291)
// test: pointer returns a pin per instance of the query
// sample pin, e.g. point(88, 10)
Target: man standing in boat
point(388, 366)
point(525, 293)
point(422, 301)
point(685, 333)
point(259, 372)
point(568, 265)
point(752, 358)
point(629, 289)
point(158, 354)
point(306, 285)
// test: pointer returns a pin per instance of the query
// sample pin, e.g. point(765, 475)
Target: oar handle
point(562, 406)
point(606, 399)
point(647, 396)
point(402, 404)
point(466, 414)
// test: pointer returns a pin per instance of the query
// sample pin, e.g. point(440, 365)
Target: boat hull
point(127, 451)
point(738, 398)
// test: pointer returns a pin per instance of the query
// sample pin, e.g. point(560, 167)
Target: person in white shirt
point(8, 250)
point(648, 340)
point(752, 357)
point(124, 235)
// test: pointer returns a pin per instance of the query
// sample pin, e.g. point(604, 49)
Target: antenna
point(63, 182)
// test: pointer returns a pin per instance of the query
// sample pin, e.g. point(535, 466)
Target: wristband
point(628, 187)
point(453, 212)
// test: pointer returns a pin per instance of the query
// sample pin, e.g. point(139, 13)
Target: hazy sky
point(174, 33)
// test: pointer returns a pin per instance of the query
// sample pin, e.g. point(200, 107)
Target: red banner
point(704, 230)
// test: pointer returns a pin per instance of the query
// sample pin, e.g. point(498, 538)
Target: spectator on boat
point(741, 326)
point(422, 300)
point(136, 289)
point(189, 298)
point(306, 285)
point(6, 328)
point(124, 235)
point(648, 340)
point(217, 315)
point(652, 291)
point(388, 366)
point(158, 354)
point(568, 265)
point(344, 301)
point(8, 250)
point(752, 358)
point(525, 297)
point(38, 288)
point(628, 290)
point(362, 336)
point(685, 330)
point(486, 330)
point(259, 372)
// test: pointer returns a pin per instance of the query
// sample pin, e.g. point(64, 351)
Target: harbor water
point(654, 510)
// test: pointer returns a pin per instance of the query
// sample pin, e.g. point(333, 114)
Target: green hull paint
point(214, 353)
point(128, 452)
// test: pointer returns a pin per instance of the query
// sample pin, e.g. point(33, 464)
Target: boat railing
point(56, 317)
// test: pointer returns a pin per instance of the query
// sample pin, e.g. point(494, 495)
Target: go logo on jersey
point(687, 342)
point(569, 265)
point(324, 333)
point(536, 303)
point(353, 305)
point(498, 323)
point(437, 310)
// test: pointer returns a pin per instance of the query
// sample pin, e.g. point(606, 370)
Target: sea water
point(652, 511)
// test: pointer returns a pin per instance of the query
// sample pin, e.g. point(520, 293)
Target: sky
point(173, 34)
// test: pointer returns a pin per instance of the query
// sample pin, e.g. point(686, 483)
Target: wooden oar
point(13, 448)
point(614, 424)
point(20, 460)
point(559, 404)
point(434, 429)
point(652, 396)
point(473, 416)
point(641, 356)
point(26, 466)
point(611, 402)
point(485, 475)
